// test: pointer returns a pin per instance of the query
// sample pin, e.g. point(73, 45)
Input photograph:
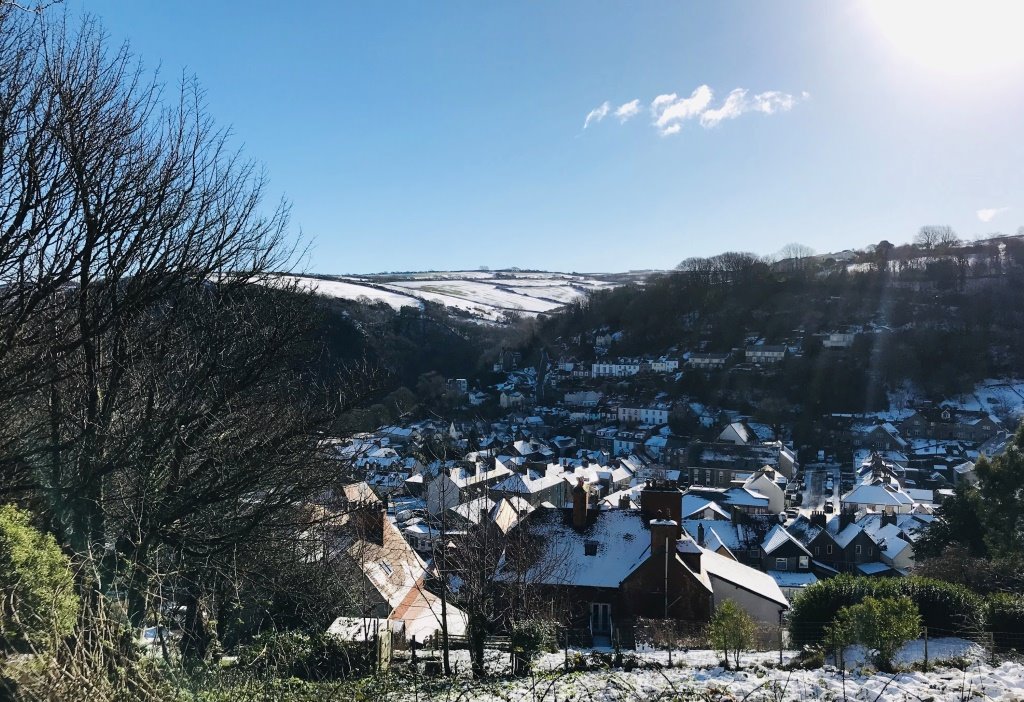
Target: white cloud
point(628, 109)
point(773, 101)
point(597, 114)
point(670, 111)
point(734, 106)
point(988, 214)
point(659, 102)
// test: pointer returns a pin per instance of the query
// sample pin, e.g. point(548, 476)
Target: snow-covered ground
point(483, 295)
point(1003, 398)
point(697, 675)
point(352, 291)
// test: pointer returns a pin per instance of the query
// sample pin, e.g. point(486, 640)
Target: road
point(815, 493)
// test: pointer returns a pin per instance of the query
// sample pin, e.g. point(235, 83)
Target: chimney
point(700, 534)
point(818, 518)
point(579, 506)
point(659, 501)
point(663, 531)
point(369, 523)
point(624, 502)
point(846, 518)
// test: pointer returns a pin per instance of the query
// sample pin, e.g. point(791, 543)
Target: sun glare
point(954, 36)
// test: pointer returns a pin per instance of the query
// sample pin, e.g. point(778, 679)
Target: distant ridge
point(483, 295)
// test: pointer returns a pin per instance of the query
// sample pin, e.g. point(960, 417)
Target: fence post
point(992, 648)
point(925, 648)
point(567, 649)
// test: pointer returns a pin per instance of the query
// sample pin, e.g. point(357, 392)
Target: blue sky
point(450, 135)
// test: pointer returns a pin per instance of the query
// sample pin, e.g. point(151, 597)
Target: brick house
point(606, 568)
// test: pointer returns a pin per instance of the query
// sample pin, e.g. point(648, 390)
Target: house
point(879, 437)
point(882, 494)
point(583, 398)
point(533, 487)
point(766, 482)
point(459, 485)
point(763, 354)
point(511, 400)
point(787, 560)
point(610, 567)
point(839, 340)
point(664, 365)
point(839, 543)
point(620, 369)
point(949, 423)
point(738, 433)
point(707, 361)
point(389, 576)
point(650, 414)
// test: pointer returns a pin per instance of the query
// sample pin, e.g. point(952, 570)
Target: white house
point(707, 361)
point(653, 414)
point(765, 354)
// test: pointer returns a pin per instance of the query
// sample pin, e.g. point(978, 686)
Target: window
point(817, 550)
point(857, 550)
point(828, 549)
point(781, 564)
point(804, 561)
point(871, 550)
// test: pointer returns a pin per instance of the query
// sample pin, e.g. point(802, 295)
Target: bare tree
point(159, 395)
point(795, 256)
point(935, 236)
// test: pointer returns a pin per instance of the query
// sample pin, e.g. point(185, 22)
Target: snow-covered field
point(352, 291)
point(484, 295)
point(1003, 398)
point(697, 675)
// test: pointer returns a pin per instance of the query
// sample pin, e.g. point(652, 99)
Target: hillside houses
point(950, 423)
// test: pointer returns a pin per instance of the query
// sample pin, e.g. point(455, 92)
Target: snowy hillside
point(484, 295)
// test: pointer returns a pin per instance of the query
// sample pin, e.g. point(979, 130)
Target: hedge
point(947, 608)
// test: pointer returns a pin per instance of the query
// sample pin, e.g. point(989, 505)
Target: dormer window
point(590, 548)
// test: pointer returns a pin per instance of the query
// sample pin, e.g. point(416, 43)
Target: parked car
point(792, 513)
point(830, 507)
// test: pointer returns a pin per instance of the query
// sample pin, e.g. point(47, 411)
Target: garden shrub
point(40, 604)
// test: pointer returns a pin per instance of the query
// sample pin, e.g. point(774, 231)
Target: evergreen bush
point(40, 604)
point(948, 609)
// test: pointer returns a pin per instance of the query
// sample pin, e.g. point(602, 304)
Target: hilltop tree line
point(941, 317)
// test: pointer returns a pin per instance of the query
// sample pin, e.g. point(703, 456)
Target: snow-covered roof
point(848, 534)
point(778, 537)
point(621, 545)
point(735, 573)
point(874, 568)
point(793, 578)
point(473, 510)
point(878, 493)
point(694, 504)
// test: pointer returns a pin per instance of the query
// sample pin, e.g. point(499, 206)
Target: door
point(600, 618)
